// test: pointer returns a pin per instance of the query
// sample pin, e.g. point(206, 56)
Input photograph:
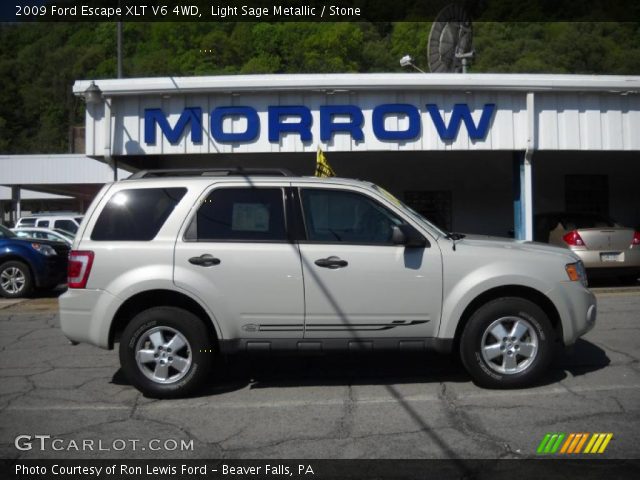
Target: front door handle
point(331, 262)
point(204, 260)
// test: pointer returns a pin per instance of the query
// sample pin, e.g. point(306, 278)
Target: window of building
point(435, 206)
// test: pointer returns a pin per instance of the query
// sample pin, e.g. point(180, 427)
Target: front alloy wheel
point(507, 343)
point(15, 280)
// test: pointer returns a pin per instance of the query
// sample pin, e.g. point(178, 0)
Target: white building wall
point(588, 121)
point(507, 129)
point(571, 112)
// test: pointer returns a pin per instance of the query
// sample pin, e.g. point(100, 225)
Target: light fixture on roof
point(407, 61)
point(93, 94)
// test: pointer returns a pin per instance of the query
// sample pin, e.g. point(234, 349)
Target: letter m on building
point(459, 114)
point(189, 116)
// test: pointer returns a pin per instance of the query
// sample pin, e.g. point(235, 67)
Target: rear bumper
point(628, 260)
point(577, 307)
point(85, 315)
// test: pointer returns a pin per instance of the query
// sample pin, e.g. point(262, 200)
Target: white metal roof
point(5, 194)
point(364, 81)
point(52, 169)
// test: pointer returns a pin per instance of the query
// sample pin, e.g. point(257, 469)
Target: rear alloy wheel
point(165, 352)
point(507, 343)
point(15, 280)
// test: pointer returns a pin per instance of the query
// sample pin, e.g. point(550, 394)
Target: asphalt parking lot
point(374, 406)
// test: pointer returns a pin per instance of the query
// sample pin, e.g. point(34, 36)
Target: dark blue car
point(26, 264)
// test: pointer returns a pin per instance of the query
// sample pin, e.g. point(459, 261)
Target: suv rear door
point(358, 284)
point(237, 256)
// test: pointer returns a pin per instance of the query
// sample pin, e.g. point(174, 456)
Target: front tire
point(166, 352)
point(15, 280)
point(507, 343)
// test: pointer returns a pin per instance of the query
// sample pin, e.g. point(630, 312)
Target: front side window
point(136, 214)
point(240, 214)
point(336, 216)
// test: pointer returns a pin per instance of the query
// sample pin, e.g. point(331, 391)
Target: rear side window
point(42, 223)
point(136, 214)
point(67, 225)
point(240, 214)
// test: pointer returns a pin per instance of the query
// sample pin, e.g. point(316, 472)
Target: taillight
point(573, 238)
point(79, 268)
point(636, 239)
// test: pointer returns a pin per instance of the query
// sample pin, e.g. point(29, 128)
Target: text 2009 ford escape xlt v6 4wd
point(174, 266)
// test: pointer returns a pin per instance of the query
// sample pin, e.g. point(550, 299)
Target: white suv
point(180, 269)
point(69, 223)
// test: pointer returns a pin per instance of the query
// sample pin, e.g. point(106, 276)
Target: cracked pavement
point(338, 406)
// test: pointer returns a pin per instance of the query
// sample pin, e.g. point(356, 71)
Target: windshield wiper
point(456, 237)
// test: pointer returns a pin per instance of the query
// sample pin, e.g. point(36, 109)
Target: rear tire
point(15, 280)
point(166, 352)
point(507, 343)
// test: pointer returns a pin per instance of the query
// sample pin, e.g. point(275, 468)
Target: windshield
point(6, 233)
point(415, 215)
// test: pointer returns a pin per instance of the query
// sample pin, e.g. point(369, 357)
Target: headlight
point(46, 250)
point(577, 273)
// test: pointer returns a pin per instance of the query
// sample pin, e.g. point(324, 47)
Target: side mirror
point(408, 236)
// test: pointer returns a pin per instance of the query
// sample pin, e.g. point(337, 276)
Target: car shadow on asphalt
point(236, 372)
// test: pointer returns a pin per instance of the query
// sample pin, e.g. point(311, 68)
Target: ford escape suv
point(181, 267)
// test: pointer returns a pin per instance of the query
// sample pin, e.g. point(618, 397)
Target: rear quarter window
point(136, 214)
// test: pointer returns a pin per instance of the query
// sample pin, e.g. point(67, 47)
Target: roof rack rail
point(210, 172)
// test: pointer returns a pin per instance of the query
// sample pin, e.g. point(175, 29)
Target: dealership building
point(479, 153)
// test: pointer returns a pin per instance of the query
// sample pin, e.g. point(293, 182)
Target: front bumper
point(577, 307)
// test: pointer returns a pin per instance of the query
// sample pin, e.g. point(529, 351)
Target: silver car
point(605, 247)
point(43, 234)
point(182, 269)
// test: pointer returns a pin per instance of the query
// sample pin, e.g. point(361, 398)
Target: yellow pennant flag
point(323, 169)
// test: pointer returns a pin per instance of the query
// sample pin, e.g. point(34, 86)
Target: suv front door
point(237, 257)
point(358, 283)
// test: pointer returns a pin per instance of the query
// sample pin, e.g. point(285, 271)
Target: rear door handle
point(204, 260)
point(331, 262)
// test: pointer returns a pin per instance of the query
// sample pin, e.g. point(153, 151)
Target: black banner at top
point(314, 10)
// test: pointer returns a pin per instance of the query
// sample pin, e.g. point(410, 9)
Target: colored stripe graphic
point(598, 442)
point(543, 443)
point(550, 443)
point(572, 443)
point(582, 440)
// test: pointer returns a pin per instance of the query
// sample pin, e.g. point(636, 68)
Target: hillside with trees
point(40, 61)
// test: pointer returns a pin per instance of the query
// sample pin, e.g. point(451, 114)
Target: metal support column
point(15, 200)
point(522, 197)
